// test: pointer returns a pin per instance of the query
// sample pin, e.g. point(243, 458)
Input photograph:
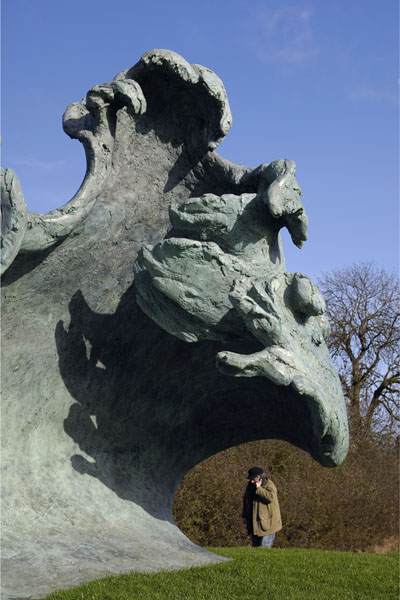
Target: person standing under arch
point(261, 513)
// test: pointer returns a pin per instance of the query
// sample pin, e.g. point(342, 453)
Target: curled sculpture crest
point(149, 323)
point(220, 275)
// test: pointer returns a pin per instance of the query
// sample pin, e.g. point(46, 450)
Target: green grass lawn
point(275, 574)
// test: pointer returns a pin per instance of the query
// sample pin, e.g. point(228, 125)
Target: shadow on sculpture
point(24, 264)
point(127, 390)
point(145, 403)
point(148, 404)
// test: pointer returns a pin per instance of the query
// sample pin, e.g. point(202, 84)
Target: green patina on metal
point(148, 324)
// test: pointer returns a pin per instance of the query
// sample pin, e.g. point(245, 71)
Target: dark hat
point(254, 472)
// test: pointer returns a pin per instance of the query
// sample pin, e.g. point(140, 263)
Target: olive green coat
point(266, 511)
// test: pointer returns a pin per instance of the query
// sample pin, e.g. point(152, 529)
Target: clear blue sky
point(315, 81)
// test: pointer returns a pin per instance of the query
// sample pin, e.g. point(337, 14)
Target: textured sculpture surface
point(147, 324)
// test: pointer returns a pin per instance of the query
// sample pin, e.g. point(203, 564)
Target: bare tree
point(363, 308)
